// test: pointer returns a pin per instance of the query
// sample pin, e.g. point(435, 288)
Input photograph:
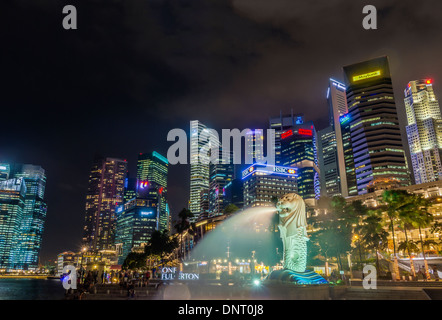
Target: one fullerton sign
point(168, 273)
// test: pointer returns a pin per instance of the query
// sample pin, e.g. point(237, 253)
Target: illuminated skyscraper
point(263, 184)
point(201, 137)
point(27, 251)
point(330, 144)
point(220, 175)
point(12, 204)
point(153, 167)
point(424, 130)
point(281, 124)
point(105, 192)
point(137, 219)
point(374, 125)
point(299, 150)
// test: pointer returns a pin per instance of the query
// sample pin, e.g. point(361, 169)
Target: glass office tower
point(330, 144)
point(200, 138)
point(27, 251)
point(153, 168)
point(281, 124)
point(137, 219)
point(105, 192)
point(374, 125)
point(221, 174)
point(12, 205)
point(299, 150)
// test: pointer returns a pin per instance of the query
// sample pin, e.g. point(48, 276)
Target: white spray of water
point(240, 234)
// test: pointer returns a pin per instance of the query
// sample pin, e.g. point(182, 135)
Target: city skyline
point(276, 73)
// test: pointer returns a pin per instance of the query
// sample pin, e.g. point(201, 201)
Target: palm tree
point(405, 217)
point(408, 245)
point(161, 244)
point(421, 218)
point(373, 234)
point(392, 203)
point(183, 225)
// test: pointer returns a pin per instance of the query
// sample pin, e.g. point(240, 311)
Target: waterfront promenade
point(215, 290)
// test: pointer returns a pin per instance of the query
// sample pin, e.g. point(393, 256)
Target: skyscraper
point(281, 124)
point(27, 251)
point(221, 173)
point(137, 219)
point(105, 192)
point(374, 126)
point(299, 150)
point(424, 130)
point(153, 167)
point(12, 203)
point(263, 184)
point(330, 144)
point(199, 164)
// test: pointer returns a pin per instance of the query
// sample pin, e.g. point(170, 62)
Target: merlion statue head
point(292, 207)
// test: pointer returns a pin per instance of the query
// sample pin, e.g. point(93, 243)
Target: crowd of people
point(127, 279)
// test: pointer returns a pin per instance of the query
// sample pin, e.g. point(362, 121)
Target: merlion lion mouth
point(283, 210)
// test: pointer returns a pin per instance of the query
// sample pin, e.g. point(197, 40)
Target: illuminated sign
point(144, 184)
point(286, 134)
point(305, 132)
point(269, 169)
point(170, 273)
point(119, 209)
point(147, 212)
point(345, 118)
point(3, 168)
point(367, 75)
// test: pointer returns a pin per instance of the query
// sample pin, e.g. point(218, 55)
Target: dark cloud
point(136, 69)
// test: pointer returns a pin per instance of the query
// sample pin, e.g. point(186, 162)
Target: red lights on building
point(305, 132)
point(287, 134)
point(429, 81)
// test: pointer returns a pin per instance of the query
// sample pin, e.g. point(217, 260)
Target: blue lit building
point(34, 216)
point(27, 212)
point(154, 167)
point(12, 204)
point(137, 219)
point(262, 184)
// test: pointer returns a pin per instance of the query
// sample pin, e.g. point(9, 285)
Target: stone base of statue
point(306, 277)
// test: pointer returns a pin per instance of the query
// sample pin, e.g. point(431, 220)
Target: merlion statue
point(293, 229)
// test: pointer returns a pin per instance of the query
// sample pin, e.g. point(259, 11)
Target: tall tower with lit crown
point(424, 130)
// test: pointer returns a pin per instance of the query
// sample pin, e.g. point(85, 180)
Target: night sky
point(133, 70)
